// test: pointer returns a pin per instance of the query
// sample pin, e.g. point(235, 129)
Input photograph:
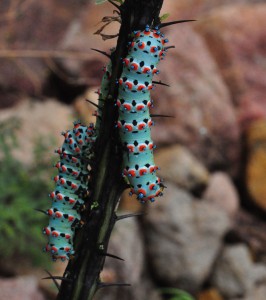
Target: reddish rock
point(80, 36)
point(236, 37)
point(31, 25)
point(20, 288)
point(38, 122)
point(205, 120)
point(193, 9)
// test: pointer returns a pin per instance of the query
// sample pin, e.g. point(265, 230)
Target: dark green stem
point(106, 183)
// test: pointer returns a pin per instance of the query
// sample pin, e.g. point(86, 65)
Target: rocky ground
point(207, 234)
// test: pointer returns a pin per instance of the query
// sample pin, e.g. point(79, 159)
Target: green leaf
point(176, 294)
point(97, 2)
point(164, 16)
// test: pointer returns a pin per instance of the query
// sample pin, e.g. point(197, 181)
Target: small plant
point(23, 189)
point(176, 294)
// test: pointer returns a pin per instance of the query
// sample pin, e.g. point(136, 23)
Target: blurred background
point(207, 235)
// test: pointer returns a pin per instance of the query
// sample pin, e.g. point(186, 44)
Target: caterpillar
point(134, 122)
point(71, 187)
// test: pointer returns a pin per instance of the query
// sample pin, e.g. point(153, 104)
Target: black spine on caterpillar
point(134, 101)
point(71, 187)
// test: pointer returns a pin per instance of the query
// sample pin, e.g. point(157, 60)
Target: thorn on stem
point(118, 218)
point(52, 277)
point(174, 22)
point(102, 52)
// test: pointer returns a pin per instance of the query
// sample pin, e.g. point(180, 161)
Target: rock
point(256, 163)
point(24, 287)
point(240, 54)
point(130, 203)
point(85, 109)
point(205, 119)
point(250, 230)
point(179, 166)
point(183, 238)
point(126, 242)
point(39, 122)
point(211, 294)
point(197, 9)
point(235, 274)
point(221, 191)
point(18, 33)
point(80, 36)
point(258, 293)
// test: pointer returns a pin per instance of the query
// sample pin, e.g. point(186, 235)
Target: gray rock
point(179, 166)
point(20, 288)
point(183, 238)
point(126, 242)
point(236, 275)
point(221, 191)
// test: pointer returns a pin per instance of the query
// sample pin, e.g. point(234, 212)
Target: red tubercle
point(141, 87)
point(75, 173)
point(129, 85)
point(71, 218)
point(150, 123)
point(77, 150)
point(74, 186)
point(131, 148)
point(146, 70)
point(142, 148)
point(156, 35)
point(55, 233)
point(141, 125)
point(140, 107)
point(58, 214)
point(143, 171)
point(134, 66)
point(151, 186)
point(127, 106)
point(126, 61)
point(128, 127)
point(46, 231)
point(59, 196)
point(141, 45)
point(71, 201)
point(153, 49)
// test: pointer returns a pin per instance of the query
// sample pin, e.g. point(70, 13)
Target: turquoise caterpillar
point(72, 182)
point(134, 101)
